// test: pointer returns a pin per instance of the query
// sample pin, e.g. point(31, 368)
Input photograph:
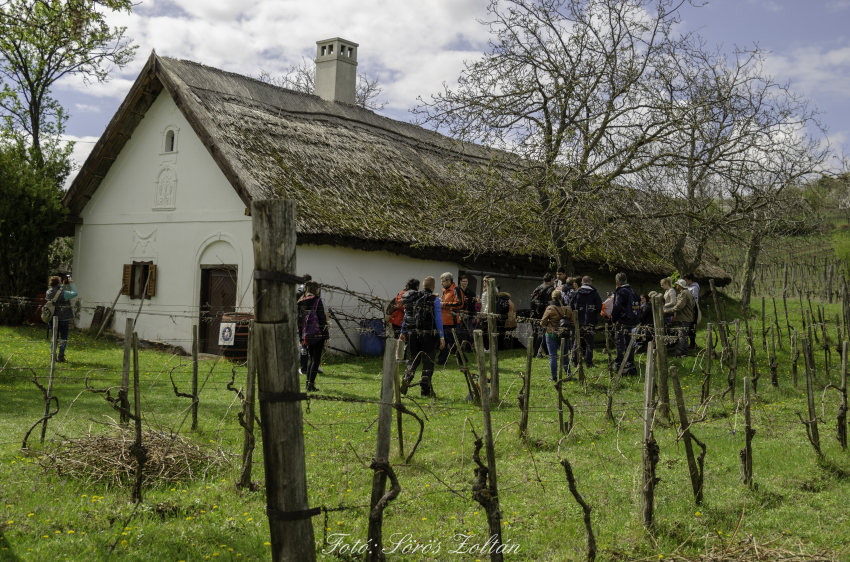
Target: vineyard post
point(842, 410)
point(763, 328)
point(787, 322)
point(776, 325)
point(747, 452)
point(733, 367)
point(709, 351)
point(492, 328)
point(579, 360)
point(137, 450)
point(650, 447)
point(195, 377)
point(774, 366)
point(661, 350)
point(812, 423)
point(693, 469)
point(397, 393)
point(250, 396)
point(278, 385)
point(795, 354)
point(526, 387)
point(829, 283)
point(54, 342)
point(494, 516)
point(751, 361)
point(724, 342)
point(375, 542)
point(124, 392)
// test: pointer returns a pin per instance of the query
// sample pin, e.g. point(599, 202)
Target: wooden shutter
point(128, 279)
point(152, 283)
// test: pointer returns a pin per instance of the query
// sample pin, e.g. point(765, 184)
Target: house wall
point(177, 210)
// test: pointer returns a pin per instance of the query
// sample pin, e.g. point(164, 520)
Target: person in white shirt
point(693, 287)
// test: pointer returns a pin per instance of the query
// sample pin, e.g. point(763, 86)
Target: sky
point(415, 47)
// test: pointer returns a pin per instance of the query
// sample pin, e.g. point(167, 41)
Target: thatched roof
point(361, 180)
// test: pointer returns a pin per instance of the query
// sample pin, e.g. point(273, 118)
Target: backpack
point(540, 298)
point(311, 332)
point(418, 310)
point(631, 309)
point(49, 308)
point(395, 310)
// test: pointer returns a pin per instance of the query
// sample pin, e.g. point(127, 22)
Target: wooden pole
point(397, 394)
point(137, 450)
point(812, 423)
point(124, 392)
point(709, 351)
point(579, 358)
point(195, 377)
point(774, 366)
point(776, 325)
point(724, 342)
point(693, 469)
point(109, 313)
point(733, 367)
point(54, 343)
point(749, 432)
point(763, 328)
point(382, 452)
point(492, 327)
point(795, 354)
point(142, 298)
point(494, 516)
point(650, 447)
point(248, 409)
point(526, 389)
point(661, 350)
point(276, 349)
point(842, 409)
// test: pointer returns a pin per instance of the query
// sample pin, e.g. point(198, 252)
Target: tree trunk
point(753, 250)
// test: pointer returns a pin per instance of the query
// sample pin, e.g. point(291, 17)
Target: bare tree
point(302, 78)
point(579, 91)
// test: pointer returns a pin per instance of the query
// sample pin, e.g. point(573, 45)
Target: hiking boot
point(61, 359)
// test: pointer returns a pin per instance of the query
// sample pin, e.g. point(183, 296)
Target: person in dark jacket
point(587, 304)
point(625, 315)
point(541, 298)
point(470, 300)
point(422, 338)
point(315, 343)
point(62, 312)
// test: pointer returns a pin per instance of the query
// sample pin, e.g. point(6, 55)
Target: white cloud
point(84, 108)
point(814, 70)
point(768, 5)
point(412, 47)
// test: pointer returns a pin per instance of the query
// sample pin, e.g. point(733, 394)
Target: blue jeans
point(63, 335)
point(622, 337)
point(552, 346)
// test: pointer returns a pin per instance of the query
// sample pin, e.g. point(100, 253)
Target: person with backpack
point(625, 315)
point(58, 299)
point(541, 297)
point(587, 304)
point(304, 357)
point(422, 326)
point(395, 312)
point(552, 323)
point(469, 312)
point(314, 330)
point(452, 301)
point(506, 322)
point(685, 311)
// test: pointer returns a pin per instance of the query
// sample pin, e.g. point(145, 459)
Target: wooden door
point(218, 297)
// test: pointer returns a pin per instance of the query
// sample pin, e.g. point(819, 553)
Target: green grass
point(799, 500)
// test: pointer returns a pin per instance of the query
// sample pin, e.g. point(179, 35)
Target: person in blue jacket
point(422, 329)
point(63, 310)
point(587, 303)
point(625, 315)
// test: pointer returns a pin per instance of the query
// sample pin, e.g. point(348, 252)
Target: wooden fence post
point(109, 313)
point(397, 394)
point(650, 447)
point(494, 516)
point(842, 409)
point(124, 392)
point(492, 328)
point(248, 414)
point(763, 328)
point(661, 351)
point(195, 377)
point(695, 466)
point(54, 343)
point(526, 389)
point(724, 342)
point(774, 366)
point(709, 351)
point(795, 354)
point(747, 452)
point(276, 354)
point(137, 450)
point(812, 422)
point(382, 453)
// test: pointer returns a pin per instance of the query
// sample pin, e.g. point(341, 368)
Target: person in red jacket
point(452, 301)
point(395, 311)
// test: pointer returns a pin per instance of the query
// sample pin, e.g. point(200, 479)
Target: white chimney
point(336, 69)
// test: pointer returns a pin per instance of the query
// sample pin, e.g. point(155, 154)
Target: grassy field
point(799, 502)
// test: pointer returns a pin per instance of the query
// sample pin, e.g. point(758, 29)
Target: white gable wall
point(198, 219)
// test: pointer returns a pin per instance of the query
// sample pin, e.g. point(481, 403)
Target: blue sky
point(413, 47)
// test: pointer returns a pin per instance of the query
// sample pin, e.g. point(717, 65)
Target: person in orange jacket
point(453, 301)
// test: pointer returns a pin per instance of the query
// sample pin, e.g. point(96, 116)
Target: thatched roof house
point(362, 181)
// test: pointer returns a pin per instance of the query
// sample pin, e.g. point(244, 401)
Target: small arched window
point(169, 141)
